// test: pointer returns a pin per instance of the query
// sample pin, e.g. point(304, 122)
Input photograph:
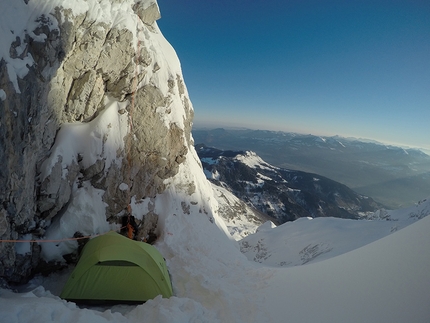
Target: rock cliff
point(92, 103)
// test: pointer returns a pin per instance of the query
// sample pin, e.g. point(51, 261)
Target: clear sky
point(352, 68)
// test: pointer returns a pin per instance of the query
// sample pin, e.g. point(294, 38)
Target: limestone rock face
point(100, 109)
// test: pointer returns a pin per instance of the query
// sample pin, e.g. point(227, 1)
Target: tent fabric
point(115, 268)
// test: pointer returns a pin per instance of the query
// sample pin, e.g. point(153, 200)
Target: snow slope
point(384, 281)
point(309, 240)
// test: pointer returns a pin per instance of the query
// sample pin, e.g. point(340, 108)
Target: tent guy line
point(60, 240)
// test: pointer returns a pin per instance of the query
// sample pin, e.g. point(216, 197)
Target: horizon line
point(376, 141)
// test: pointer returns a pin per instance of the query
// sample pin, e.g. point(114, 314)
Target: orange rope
point(128, 143)
point(61, 240)
point(52, 240)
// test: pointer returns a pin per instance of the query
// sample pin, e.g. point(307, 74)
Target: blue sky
point(352, 68)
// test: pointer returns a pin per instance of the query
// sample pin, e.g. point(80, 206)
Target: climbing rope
point(50, 240)
point(59, 240)
point(130, 229)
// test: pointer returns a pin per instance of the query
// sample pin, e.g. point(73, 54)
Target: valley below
point(393, 176)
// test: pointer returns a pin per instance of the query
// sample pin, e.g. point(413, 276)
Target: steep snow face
point(99, 139)
point(239, 218)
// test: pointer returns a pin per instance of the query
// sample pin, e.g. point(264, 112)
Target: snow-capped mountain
point(282, 194)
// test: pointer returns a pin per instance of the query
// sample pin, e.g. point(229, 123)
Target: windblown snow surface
point(386, 280)
point(310, 240)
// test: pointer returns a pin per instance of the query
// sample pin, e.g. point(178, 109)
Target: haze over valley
point(393, 176)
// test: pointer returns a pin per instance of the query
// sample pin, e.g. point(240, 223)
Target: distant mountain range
point(281, 194)
point(393, 176)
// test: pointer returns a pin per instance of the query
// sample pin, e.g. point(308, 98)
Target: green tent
point(113, 268)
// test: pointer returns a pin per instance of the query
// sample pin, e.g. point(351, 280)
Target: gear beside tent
point(113, 268)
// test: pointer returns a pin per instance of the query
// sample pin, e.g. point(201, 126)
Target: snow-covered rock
point(92, 100)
